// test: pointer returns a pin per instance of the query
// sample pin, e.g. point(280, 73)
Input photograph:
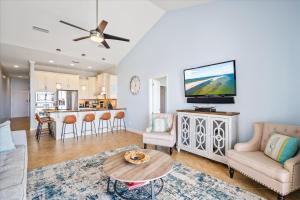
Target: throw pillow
point(160, 125)
point(6, 142)
point(281, 147)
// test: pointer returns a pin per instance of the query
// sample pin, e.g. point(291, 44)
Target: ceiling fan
point(97, 35)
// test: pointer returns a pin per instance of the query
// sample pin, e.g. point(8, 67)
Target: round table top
point(159, 165)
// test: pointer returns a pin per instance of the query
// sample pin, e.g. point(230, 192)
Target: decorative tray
point(136, 157)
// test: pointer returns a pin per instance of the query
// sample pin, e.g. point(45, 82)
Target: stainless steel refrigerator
point(67, 99)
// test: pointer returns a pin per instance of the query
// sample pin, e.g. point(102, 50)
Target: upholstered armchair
point(249, 159)
point(166, 139)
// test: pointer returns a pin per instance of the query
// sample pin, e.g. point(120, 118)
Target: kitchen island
point(59, 115)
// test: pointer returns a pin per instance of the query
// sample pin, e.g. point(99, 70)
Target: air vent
point(40, 29)
point(74, 61)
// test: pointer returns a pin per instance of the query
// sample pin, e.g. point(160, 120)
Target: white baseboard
point(136, 131)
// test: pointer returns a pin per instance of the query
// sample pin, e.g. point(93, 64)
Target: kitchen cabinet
point(48, 81)
point(87, 88)
point(108, 83)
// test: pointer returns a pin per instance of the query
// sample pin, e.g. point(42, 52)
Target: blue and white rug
point(84, 179)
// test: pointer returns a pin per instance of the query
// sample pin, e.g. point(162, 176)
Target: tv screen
point(216, 80)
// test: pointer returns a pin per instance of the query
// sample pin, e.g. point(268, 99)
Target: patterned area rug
point(84, 179)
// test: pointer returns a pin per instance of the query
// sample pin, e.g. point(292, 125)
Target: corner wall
point(259, 35)
point(4, 96)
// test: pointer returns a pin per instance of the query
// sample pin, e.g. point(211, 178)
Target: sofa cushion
point(13, 172)
point(258, 161)
point(281, 147)
point(6, 142)
point(158, 136)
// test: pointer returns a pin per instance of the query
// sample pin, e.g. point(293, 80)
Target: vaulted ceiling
point(126, 18)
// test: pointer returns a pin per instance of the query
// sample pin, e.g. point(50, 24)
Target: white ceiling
point(177, 4)
point(126, 18)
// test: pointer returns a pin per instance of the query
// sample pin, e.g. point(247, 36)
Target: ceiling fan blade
point(67, 23)
point(81, 38)
point(112, 37)
point(102, 26)
point(105, 44)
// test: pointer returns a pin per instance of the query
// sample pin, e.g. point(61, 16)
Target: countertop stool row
point(89, 119)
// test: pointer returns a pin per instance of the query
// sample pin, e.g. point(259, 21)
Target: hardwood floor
point(49, 151)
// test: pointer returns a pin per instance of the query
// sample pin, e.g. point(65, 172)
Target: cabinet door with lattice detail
point(184, 138)
point(219, 143)
point(201, 135)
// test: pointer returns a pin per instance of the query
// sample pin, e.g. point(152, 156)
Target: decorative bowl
point(136, 157)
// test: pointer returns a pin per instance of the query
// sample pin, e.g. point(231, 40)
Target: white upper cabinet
point(87, 88)
point(50, 82)
point(108, 83)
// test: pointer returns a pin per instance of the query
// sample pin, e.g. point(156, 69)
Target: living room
point(132, 102)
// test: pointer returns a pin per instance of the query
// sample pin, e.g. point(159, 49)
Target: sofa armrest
point(19, 137)
point(293, 166)
point(254, 143)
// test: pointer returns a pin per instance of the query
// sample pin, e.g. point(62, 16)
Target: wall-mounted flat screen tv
point(211, 80)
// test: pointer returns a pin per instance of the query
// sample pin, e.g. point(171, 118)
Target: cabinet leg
point(280, 197)
point(145, 146)
point(231, 172)
point(171, 150)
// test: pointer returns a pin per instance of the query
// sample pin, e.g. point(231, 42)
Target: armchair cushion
point(281, 147)
point(258, 161)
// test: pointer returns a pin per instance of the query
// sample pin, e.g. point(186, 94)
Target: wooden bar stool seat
point(88, 118)
point(42, 121)
point(69, 120)
point(105, 117)
point(120, 116)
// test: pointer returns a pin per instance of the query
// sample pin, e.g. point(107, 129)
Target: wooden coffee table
point(117, 168)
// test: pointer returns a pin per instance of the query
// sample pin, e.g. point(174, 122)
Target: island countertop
point(81, 110)
point(59, 127)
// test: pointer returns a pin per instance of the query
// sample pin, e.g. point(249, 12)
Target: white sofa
point(13, 169)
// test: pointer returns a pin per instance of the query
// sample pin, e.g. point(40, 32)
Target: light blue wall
point(260, 36)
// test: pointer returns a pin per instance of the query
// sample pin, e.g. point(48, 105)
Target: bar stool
point(105, 117)
point(88, 118)
point(41, 121)
point(69, 120)
point(119, 117)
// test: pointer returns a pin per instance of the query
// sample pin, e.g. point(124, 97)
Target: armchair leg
point(280, 197)
point(171, 151)
point(231, 172)
point(145, 146)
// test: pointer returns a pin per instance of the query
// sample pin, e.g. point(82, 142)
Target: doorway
point(19, 97)
point(158, 88)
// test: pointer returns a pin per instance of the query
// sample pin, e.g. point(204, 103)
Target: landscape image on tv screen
point(216, 79)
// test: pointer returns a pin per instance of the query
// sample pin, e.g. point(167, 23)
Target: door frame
point(150, 93)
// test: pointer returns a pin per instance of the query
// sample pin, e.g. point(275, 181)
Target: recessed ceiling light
point(16, 66)
point(90, 67)
point(20, 76)
point(4, 76)
point(51, 61)
point(103, 59)
point(83, 54)
point(59, 50)
point(71, 64)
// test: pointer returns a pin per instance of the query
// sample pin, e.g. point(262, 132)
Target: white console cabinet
point(207, 134)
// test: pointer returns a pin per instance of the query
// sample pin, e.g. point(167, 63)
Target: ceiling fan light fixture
point(97, 37)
